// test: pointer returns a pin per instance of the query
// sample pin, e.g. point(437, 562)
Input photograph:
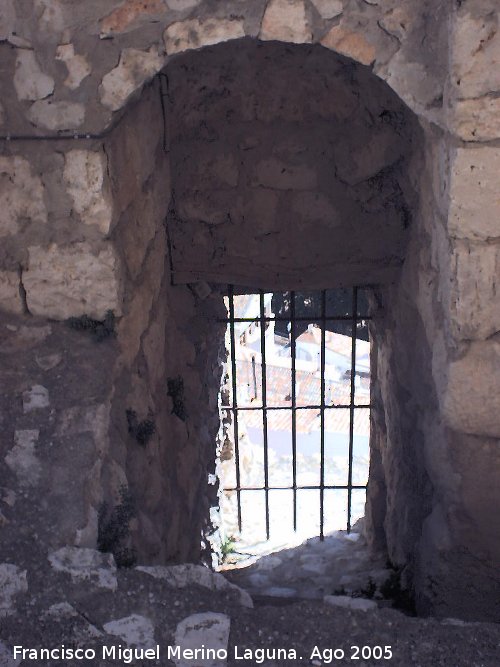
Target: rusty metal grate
point(342, 311)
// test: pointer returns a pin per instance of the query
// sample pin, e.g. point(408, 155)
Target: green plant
point(175, 389)
point(113, 528)
point(227, 547)
point(393, 590)
point(143, 430)
point(100, 329)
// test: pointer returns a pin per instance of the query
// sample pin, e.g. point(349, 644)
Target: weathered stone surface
point(475, 193)
point(181, 576)
point(10, 298)
point(35, 398)
point(85, 175)
point(130, 15)
point(22, 459)
point(71, 281)
point(315, 207)
point(21, 195)
point(78, 66)
point(286, 21)
point(470, 402)
point(476, 120)
point(29, 80)
point(12, 583)
point(193, 33)
point(475, 293)
point(413, 81)
point(181, 5)
point(351, 44)
point(86, 565)
point(273, 173)
point(328, 9)
point(49, 361)
point(135, 630)
point(135, 67)
point(6, 658)
point(207, 629)
point(82, 630)
point(475, 53)
point(7, 19)
point(350, 603)
point(57, 115)
point(52, 20)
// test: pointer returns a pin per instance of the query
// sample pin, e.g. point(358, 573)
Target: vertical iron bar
point(322, 418)
point(351, 405)
point(264, 406)
point(293, 351)
point(235, 402)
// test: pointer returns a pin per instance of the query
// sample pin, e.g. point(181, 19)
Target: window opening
point(296, 412)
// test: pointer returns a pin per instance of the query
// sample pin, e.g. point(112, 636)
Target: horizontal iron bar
point(347, 406)
point(297, 488)
point(315, 318)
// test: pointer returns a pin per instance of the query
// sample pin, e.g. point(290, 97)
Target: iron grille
point(351, 323)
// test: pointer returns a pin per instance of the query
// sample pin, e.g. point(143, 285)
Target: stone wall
point(81, 233)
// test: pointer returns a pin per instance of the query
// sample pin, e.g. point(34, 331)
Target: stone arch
point(63, 211)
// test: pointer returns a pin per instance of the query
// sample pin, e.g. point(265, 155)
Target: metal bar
point(322, 419)
point(235, 402)
point(249, 408)
point(279, 318)
point(264, 406)
point(299, 488)
point(293, 346)
point(351, 407)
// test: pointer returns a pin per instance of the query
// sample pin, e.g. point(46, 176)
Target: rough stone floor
point(340, 563)
point(78, 599)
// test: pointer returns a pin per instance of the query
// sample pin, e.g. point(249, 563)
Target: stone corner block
point(85, 176)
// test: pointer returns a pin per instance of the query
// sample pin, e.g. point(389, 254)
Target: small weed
point(141, 431)
point(175, 389)
point(227, 547)
point(392, 589)
point(100, 329)
point(370, 590)
point(113, 528)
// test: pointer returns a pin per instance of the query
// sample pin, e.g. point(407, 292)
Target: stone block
point(470, 401)
point(29, 80)
point(134, 69)
point(85, 565)
point(475, 193)
point(314, 208)
point(135, 630)
point(66, 281)
point(286, 21)
point(57, 115)
point(475, 291)
point(36, 398)
point(78, 66)
point(22, 459)
point(207, 629)
point(131, 14)
point(328, 9)
point(475, 53)
point(21, 195)
point(85, 177)
point(273, 173)
point(10, 298)
point(193, 33)
point(476, 120)
point(350, 43)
